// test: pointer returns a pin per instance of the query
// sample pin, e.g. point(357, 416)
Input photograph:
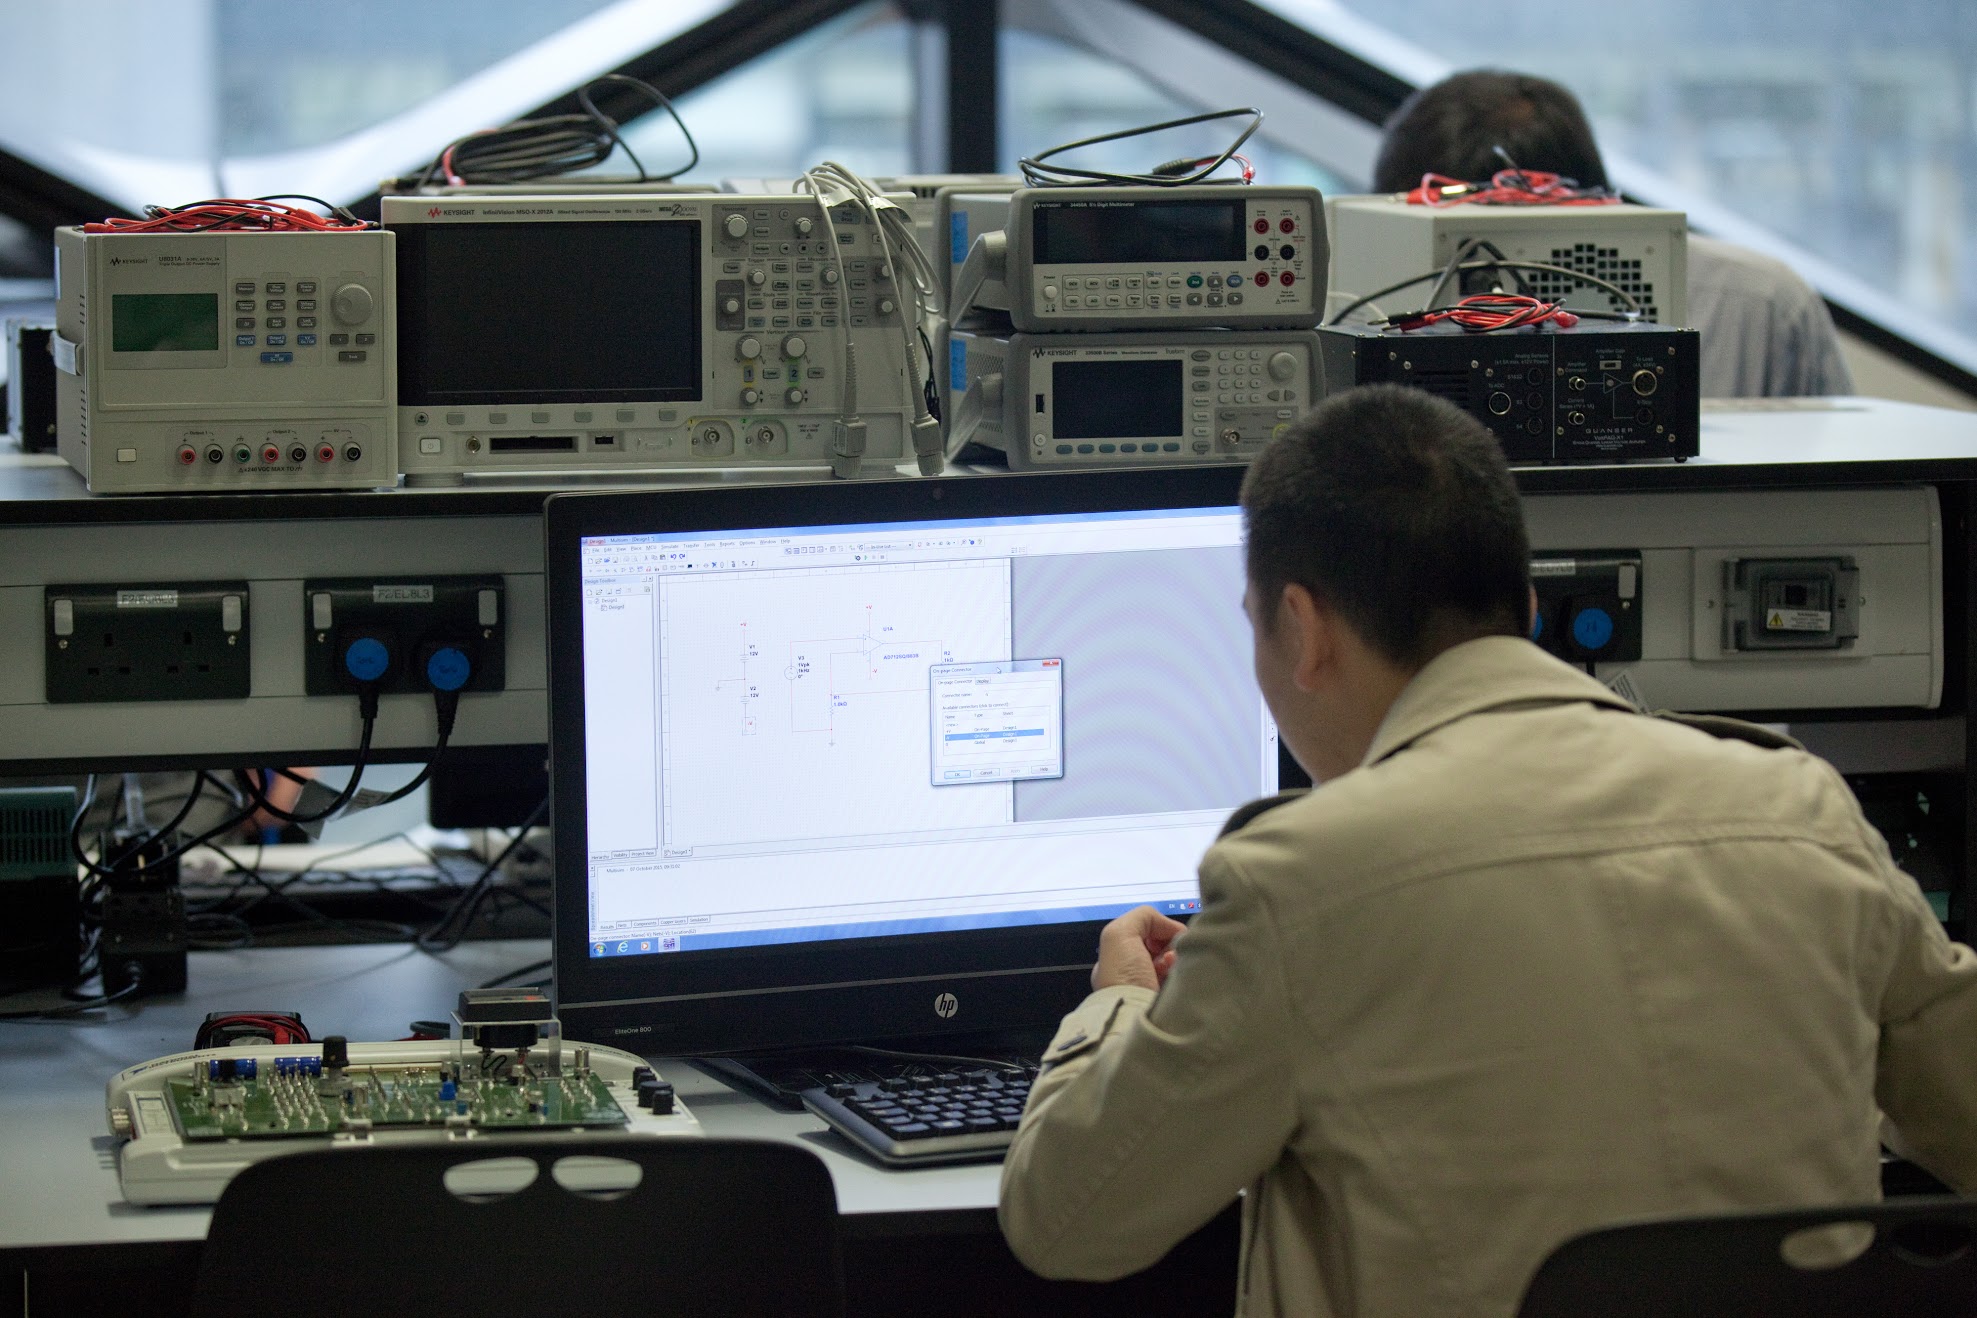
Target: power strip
point(158, 1164)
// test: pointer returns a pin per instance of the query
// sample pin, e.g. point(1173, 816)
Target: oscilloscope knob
point(793, 395)
point(804, 224)
point(885, 306)
point(352, 304)
point(758, 276)
point(830, 274)
point(748, 347)
point(750, 397)
point(736, 225)
point(794, 346)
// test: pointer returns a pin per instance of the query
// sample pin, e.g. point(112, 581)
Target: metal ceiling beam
point(1291, 52)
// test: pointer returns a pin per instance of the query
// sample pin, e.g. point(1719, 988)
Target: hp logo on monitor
point(945, 1005)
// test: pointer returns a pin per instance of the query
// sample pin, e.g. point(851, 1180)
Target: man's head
point(1382, 529)
point(1454, 127)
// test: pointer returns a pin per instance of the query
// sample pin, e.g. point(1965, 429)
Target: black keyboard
point(917, 1121)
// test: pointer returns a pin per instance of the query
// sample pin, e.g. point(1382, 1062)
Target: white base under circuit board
point(190, 1121)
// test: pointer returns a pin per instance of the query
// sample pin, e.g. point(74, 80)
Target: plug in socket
point(166, 641)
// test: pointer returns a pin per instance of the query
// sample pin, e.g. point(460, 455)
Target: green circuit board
point(367, 1098)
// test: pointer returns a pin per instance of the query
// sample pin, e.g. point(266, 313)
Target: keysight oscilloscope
point(652, 332)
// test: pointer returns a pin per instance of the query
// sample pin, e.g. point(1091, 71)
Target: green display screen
point(164, 322)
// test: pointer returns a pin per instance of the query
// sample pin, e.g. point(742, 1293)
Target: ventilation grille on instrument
point(1450, 384)
point(1602, 263)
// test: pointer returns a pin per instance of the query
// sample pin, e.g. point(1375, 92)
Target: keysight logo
point(434, 213)
point(946, 1005)
point(130, 260)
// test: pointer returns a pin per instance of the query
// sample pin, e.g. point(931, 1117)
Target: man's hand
point(1137, 948)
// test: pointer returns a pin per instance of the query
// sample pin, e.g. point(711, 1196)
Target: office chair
point(1921, 1263)
point(712, 1227)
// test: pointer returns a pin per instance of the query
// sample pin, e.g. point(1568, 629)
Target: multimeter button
point(277, 288)
point(243, 340)
point(305, 340)
point(277, 358)
point(244, 322)
point(364, 339)
point(1194, 281)
point(243, 286)
point(306, 304)
point(306, 286)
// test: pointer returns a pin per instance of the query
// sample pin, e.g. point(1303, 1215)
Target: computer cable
point(1040, 174)
point(442, 936)
point(552, 145)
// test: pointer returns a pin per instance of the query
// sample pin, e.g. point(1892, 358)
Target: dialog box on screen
point(997, 721)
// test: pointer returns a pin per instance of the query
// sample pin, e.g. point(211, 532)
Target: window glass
point(1848, 129)
point(842, 92)
point(173, 100)
point(1055, 92)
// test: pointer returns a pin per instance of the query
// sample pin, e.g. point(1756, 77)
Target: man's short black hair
point(1397, 510)
point(1454, 127)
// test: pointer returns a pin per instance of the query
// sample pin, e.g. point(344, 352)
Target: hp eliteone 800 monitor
point(851, 763)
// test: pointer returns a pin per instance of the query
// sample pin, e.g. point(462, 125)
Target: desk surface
point(1745, 443)
point(58, 1179)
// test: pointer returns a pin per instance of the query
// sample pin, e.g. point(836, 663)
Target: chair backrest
point(1917, 1258)
point(711, 1227)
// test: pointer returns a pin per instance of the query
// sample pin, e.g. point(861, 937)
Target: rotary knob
point(882, 271)
point(750, 397)
point(731, 306)
point(736, 225)
point(758, 276)
point(804, 224)
point(830, 275)
point(352, 304)
point(885, 306)
point(748, 348)
point(1282, 366)
point(794, 346)
point(793, 395)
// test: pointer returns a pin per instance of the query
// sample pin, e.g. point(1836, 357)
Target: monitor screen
point(825, 757)
point(593, 311)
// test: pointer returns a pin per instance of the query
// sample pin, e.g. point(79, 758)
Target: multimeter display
point(1115, 232)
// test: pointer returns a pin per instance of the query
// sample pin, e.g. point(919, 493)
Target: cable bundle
point(1491, 311)
point(553, 145)
point(1508, 187)
point(253, 214)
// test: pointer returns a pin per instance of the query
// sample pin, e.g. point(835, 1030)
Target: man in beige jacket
point(1526, 962)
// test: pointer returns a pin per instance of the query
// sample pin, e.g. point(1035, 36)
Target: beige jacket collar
point(1487, 673)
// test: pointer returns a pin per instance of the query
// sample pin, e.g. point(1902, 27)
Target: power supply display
point(1598, 392)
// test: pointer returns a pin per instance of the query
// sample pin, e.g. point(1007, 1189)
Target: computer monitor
point(865, 761)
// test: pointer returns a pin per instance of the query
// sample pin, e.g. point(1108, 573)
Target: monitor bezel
point(835, 991)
